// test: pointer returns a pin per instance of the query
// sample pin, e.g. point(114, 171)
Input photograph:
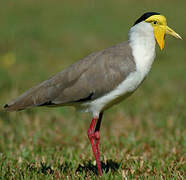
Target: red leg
point(94, 136)
point(97, 134)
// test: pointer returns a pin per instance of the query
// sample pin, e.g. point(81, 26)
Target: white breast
point(142, 42)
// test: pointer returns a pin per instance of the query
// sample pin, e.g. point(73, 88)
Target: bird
point(103, 78)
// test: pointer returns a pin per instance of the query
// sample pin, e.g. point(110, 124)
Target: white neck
point(142, 42)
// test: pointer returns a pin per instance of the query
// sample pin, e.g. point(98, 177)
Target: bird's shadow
point(87, 166)
point(67, 167)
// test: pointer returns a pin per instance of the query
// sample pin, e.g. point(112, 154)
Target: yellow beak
point(173, 33)
point(160, 32)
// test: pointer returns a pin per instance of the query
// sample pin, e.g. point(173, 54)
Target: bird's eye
point(154, 22)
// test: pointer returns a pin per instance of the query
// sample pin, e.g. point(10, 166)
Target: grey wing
point(106, 72)
point(88, 79)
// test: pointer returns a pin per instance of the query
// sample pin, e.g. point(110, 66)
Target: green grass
point(143, 137)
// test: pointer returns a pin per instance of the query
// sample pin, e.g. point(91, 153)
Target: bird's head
point(159, 24)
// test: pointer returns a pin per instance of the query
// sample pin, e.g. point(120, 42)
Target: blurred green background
point(144, 136)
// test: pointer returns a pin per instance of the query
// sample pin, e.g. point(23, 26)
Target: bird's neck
point(142, 42)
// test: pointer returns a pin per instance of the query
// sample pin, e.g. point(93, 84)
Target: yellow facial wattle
point(159, 33)
point(160, 27)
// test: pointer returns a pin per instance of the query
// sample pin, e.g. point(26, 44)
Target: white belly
point(126, 87)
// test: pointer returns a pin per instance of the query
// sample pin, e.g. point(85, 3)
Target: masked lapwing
point(103, 78)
